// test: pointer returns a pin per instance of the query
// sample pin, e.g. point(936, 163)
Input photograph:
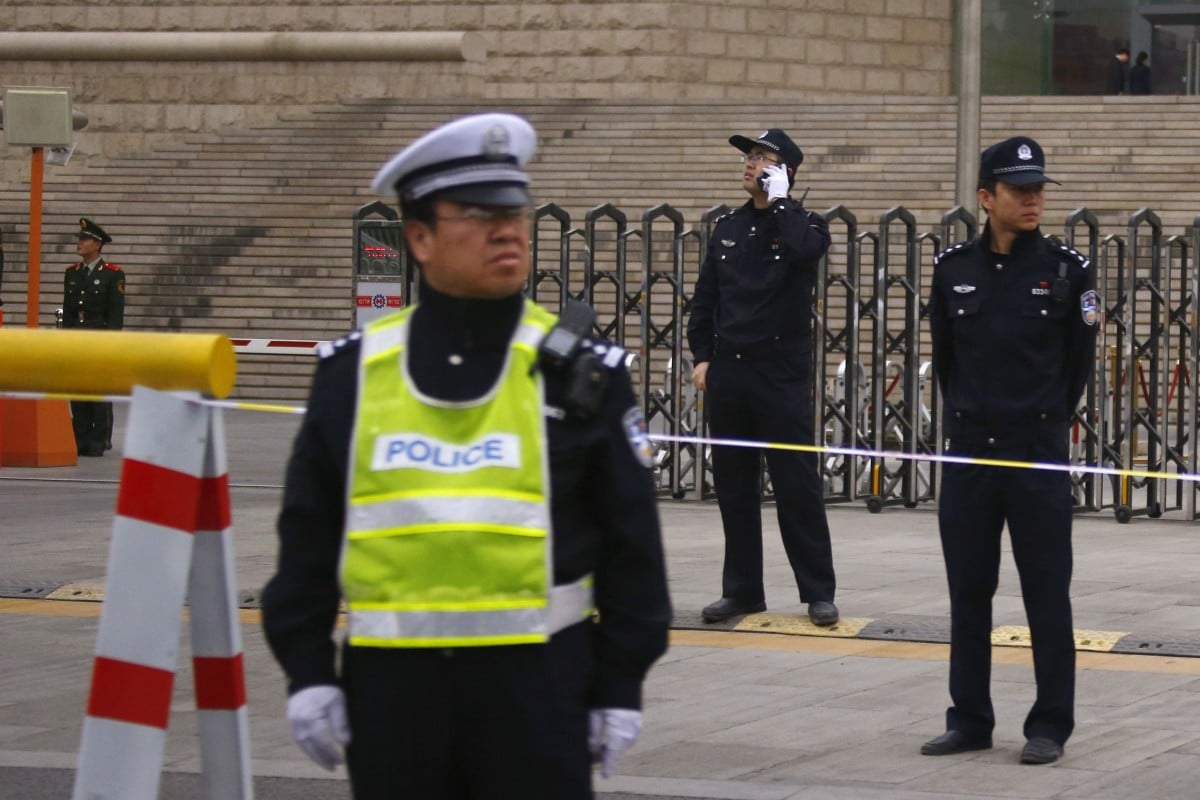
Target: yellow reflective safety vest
point(447, 540)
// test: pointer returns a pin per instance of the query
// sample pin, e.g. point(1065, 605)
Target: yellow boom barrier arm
point(92, 362)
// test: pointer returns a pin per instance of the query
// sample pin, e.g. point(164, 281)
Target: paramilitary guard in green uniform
point(93, 297)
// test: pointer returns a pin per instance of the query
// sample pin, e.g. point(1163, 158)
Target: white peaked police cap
point(476, 159)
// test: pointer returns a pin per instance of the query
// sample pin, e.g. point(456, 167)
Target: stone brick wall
point(555, 49)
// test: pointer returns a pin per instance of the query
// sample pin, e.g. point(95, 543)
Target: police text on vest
point(417, 451)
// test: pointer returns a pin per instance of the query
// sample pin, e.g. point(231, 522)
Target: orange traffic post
point(36, 433)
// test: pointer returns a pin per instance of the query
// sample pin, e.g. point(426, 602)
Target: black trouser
point(92, 423)
point(768, 399)
point(509, 723)
point(974, 504)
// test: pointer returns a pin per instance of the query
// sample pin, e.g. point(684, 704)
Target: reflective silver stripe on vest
point(528, 334)
point(570, 603)
point(389, 514)
point(375, 342)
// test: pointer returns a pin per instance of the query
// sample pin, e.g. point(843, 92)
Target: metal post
point(35, 237)
point(970, 17)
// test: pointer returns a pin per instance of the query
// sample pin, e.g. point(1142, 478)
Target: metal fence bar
point(838, 416)
point(1088, 418)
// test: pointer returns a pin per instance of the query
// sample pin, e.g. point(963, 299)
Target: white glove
point(612, 731)
point(775, 182)
point(319, 724)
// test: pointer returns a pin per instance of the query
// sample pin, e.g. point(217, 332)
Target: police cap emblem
point(1024, 153)
point(496, 142)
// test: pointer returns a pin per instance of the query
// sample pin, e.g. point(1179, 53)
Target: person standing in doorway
point(1118, 72)
point(1139, 75)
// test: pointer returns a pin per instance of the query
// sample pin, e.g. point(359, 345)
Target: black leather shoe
point(823, 613)
point(953, 741)
point(1040, 750)
point(727, 607)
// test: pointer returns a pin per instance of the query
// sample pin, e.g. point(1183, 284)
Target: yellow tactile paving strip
point(1094, 641)
point(78, 591)
point(846, 628)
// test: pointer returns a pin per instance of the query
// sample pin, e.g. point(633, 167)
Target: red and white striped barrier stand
point(276, 347)
point(171, 535)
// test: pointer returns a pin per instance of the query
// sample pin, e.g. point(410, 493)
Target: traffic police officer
point(1013, 317)
point(750, 333)
point(473, 478)
point(94, 298)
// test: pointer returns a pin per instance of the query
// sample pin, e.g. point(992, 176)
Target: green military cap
point(92, 230)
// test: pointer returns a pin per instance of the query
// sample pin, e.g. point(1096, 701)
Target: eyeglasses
point(489, 215)
point(758, 158)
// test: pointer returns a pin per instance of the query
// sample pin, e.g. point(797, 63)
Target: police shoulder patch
point(339, 345)
point(634, 423)
point(1089, 307)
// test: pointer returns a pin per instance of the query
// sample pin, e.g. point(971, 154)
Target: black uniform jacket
point(96, 300)
point(603, 504)
point(1014, 335)
point(756, 283)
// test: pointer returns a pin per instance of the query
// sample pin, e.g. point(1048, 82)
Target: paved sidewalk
point(730, 714)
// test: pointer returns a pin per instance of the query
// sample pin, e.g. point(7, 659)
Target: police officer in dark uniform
point(751, 338)
point(473, 718)
point(1013, 317)
point(93, 297)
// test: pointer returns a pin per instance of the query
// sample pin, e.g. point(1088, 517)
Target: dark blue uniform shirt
point(756, 283)
point(1010, 348)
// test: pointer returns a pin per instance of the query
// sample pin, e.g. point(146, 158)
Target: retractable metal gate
point(874, 384)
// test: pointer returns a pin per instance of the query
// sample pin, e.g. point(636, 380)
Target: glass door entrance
point(1174, 47)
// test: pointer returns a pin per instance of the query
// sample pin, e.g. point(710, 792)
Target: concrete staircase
point(249, 233)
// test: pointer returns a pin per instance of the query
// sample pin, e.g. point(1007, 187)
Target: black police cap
point(774, 140)
point(91, 230)
point(1018, 161)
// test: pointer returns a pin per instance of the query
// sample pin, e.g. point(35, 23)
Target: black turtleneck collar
point(1024, 242)
point(459, 345)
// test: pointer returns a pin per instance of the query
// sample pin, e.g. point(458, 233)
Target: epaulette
point(108, 265)
point(1083, 260)
point(338, 345)
point(611, 355)
point(75, 266)
point(951, 250)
